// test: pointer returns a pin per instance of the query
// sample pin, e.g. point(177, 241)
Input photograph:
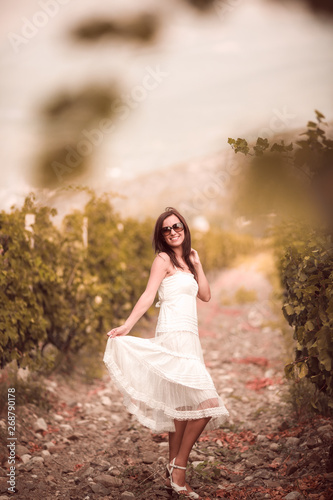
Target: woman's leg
point(192, 431)
point(175, 438)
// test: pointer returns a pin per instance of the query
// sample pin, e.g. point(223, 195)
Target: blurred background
point(139, 98)
point(113, 110)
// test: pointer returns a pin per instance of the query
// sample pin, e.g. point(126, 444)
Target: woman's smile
point(176, 237)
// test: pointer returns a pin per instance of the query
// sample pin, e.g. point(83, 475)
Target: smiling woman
point(172, 236)
point(164, 380)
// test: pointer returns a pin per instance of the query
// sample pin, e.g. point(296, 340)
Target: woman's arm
point(157, 273)
point(204, 288)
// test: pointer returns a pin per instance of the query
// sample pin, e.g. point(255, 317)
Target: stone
point(74, 437)
point(56, 448)
point(293, 495)
point(329, 476)
point(312, 442)
point(271, 483)
point(253, 462)
point(291, 469)
point(135, 436)
point(115, 472)
point(98, 488)
point(29, 466)
point(106, 401)
point(66, 427)
point(261, 439)
point(21, 450)
point(163, 445)
point(248, 478)
point(40, 425)
point(292, 441)
point(58, 418)
point(3, 484)
point(37, 460)
point(108, 481)
point(127, 495)
point(274, 447)
point(48, 445)
point(325, 428)
point(149, 458)
point(284, 426)
point(262, 474)
point(86, 472)
point(45, 453)
point(25, 458)
point(100, 463)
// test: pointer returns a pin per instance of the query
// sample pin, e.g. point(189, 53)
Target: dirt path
point(89, 447)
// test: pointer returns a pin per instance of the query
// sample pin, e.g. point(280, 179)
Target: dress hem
point(218, 414)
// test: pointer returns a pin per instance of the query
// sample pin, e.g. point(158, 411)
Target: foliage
point(28, 389)
point(304, 249)
point(283, 178)
point(306, 267)
point(217, 248)
point(301, 396)
point(59, 293)
point(59, 297)
point(22, 322)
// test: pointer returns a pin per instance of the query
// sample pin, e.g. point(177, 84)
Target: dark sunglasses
point(178, 227)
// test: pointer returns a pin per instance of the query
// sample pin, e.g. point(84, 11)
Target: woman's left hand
point(117, 332)
point(194, 257)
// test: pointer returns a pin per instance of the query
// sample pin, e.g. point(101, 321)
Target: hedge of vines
point(60, 293)
point(64, 295)
point(303, 242)
point(306, 270)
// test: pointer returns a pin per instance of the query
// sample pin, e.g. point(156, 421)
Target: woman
point(164, 380)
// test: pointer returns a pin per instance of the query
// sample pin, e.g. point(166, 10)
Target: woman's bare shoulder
point(164, 256)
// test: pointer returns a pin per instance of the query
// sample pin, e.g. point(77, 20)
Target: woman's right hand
point(119, 331)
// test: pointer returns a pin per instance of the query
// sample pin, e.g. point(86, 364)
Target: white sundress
point(165, 378)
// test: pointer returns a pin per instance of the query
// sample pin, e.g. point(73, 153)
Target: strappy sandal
point(175, 487)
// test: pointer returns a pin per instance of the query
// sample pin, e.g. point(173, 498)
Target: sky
point(256, 68)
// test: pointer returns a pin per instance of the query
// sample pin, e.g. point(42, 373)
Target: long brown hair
point(160, 245)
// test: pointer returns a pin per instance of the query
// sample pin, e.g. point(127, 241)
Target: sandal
point(175, 487)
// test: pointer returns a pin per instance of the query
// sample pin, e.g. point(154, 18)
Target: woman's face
point(173, 239)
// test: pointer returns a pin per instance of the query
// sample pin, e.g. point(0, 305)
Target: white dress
point(165, 378)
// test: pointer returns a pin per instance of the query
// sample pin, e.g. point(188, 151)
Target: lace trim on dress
point(127, 390)
point(168, 425)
